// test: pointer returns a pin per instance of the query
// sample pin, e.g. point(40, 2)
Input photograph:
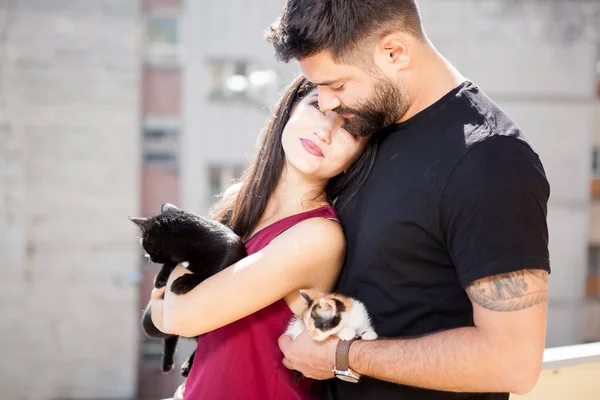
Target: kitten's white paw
point(347, 333)
point(295, 328)
point(369, 335)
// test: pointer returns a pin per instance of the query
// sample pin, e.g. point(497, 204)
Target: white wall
point(69, 176)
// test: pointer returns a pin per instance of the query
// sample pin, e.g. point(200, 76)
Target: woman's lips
point(311, 148)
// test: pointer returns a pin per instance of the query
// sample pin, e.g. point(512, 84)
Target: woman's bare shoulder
point(322, 235)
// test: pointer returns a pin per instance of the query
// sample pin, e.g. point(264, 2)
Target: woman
point(282, 211)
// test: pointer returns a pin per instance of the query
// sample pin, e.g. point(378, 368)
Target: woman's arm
point(308, 255)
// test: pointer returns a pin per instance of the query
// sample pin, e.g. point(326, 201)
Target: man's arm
point(501, 353)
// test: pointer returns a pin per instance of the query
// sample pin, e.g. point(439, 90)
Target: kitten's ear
point(143, 223)
point(309, 301)
point(167, 208)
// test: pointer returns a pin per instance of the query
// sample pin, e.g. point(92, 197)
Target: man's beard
point(386, 106)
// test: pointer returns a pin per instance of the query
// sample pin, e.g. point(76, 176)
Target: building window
point(162, 44)
point(231, 80)
point(593, 278)
point(161, 143)
point(220, 178)
point(152, 351)
point(596, 162)
point(598, 71)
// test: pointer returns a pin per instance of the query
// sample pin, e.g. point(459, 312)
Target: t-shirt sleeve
point(493, 211)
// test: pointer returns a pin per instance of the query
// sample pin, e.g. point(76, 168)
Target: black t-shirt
point(455, 194)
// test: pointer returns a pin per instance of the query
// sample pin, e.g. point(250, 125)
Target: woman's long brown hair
point(244, 203)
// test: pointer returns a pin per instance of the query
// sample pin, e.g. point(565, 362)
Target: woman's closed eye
point(315, 104)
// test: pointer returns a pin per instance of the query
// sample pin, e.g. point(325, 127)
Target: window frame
point(167, 145)
point(163, 54)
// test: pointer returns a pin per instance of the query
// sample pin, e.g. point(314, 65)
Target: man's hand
point(313, 359)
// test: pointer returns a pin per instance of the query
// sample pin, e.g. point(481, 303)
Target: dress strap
point(270, 232)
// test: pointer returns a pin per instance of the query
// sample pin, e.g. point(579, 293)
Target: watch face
point(347, 378)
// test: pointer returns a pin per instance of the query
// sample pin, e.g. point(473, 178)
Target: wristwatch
point(341, 370)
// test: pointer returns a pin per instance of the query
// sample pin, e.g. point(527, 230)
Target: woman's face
point(315, 144)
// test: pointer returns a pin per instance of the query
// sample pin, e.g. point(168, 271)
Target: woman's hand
point(157, 307)
point(162, 296)
point(176, 273)
point(157, 300)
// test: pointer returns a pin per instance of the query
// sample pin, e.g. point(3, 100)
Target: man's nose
point(328, 101)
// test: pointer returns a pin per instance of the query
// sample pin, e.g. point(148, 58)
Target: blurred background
point(109, 108)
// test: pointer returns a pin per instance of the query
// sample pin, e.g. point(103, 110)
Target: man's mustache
point(347, 110)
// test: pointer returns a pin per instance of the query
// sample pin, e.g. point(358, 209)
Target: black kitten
point(176, 236)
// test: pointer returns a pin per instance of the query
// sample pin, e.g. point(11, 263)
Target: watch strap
point(341, 354)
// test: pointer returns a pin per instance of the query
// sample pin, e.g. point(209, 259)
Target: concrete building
point(591, 329)
point(547, 85)
point(160, 127)
point(231, 80)
point(69, 176)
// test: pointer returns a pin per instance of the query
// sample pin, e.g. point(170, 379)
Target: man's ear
point(393, 52)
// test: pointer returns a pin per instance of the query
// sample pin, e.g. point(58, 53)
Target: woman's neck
point(294, 194)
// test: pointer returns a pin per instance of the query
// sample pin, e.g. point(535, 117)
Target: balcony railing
point(569, 373)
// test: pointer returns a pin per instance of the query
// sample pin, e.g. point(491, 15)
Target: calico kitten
point(203, 246)
point(331, 314)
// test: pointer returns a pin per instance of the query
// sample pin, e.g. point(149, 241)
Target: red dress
point(242, 360)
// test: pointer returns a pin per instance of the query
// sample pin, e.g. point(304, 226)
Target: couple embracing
point(386, 176)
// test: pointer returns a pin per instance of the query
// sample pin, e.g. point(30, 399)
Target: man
point(447, 240)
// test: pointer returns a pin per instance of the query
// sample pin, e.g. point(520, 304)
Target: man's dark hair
point(307, 27)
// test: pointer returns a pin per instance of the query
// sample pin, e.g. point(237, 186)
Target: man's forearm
point(503, 353)
point(459, 360)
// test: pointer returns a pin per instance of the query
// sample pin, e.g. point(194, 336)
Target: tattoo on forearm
point(510, 292)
